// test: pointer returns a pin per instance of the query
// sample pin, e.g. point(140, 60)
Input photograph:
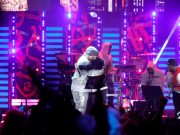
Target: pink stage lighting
point(139, 71)
point(37, 37)
point(89, 38)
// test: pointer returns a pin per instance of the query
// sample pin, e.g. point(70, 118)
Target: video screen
point(13, 5)
point(70, 5)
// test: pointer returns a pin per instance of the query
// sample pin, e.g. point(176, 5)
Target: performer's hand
point(76, 65)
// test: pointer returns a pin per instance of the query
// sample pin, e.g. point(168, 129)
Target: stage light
point(139, 71)
point(167, 40)
point(93, 14)
point(43, 45)
point(13, 50)
point(99, 22)
point(154, 13)
point(69, 27)
point(179, 24)
point(153, 29)
point(69, 15)
point(69, 41)
point(123, 40)
point(43, 14)
point(89, 38)
point(37, 37)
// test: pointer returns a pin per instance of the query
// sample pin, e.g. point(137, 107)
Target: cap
point(92, 51)
point(172, 62)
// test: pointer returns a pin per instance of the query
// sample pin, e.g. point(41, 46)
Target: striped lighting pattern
point(13, 51)
point(4, 67)
point(69, 42)
point(154, 32)
point(178, 41)
point(125, 37)
point(99, 22)
point(24, 102)
point(112, 35)
point(69, 37)
point(54, 44)
point(43, 48)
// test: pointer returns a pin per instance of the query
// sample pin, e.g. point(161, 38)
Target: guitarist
point(174, 76)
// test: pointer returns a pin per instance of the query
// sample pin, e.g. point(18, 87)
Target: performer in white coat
point(80, 77)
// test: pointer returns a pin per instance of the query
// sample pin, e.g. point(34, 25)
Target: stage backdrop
point(139, 32)
point(28, 53)
point(83, 33)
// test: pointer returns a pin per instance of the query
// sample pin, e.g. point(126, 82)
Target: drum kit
point(128, 77)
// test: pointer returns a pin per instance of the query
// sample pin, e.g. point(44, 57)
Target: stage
point(50, 39)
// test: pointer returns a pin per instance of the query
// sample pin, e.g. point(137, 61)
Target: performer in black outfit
point(95, 82)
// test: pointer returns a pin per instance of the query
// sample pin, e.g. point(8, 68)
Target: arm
point(86, 67)
point(162, 81)
point(169, 80)
point(178, 78)
point(95, 64)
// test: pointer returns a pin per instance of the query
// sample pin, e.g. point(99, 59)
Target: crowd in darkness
point(55, 114)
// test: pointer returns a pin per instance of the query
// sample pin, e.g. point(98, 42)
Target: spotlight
point(69, 15)
point(37, 69)
point(153, 13)
point(93, 14)
point(13, 50)
point(179, 24)
point(89, 38)
point(139, 71)
point(37, 37)
point(167, 40)
point(140, 38)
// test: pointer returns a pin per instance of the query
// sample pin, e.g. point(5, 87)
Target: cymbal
point(147, 54)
